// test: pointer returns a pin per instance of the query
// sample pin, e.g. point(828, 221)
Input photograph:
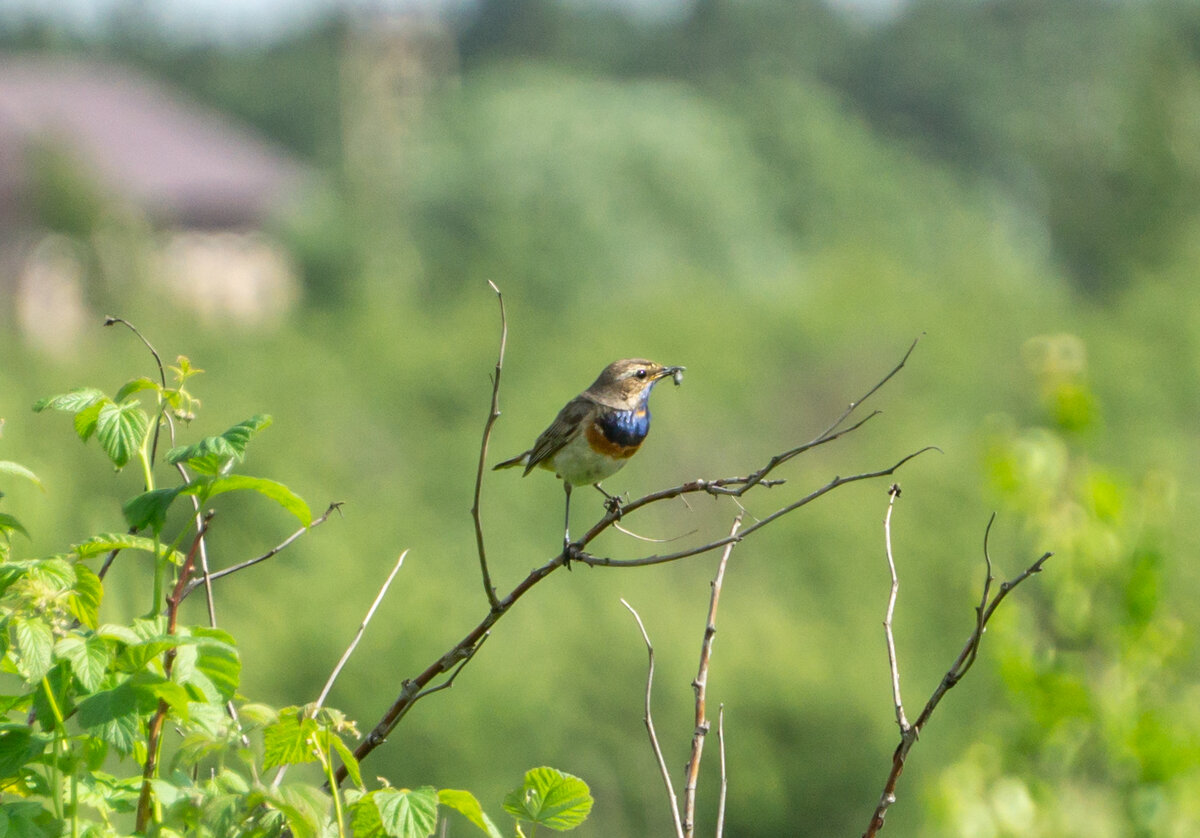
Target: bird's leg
point(567, 528)
point(611, 502)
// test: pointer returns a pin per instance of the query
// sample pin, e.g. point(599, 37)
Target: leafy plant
point(89, 705)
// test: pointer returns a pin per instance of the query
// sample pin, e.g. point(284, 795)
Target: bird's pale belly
point(578, 464)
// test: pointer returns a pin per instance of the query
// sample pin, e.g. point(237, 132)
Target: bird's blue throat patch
point(626, 427)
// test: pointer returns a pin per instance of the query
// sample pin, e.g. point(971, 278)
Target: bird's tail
point(519, 460)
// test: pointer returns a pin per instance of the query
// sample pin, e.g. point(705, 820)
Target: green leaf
point(35, 642)
point(303, 806)
point(348, 759)
point(289, 740)
point(213, 454)
point(135, 386)
point(135, 657)
point(210, 665)
point(19, 744)
point(465, 803)
point(551, 798)
point(398, 813)
point(89, 658)
point(277, 492)
point(103, 543)
point(85, 420)
point(121, 429)
point(84, 603)
point(18, 470)
point(115, 715)
point(71, 402)
point(10, 524)
point(149, 509)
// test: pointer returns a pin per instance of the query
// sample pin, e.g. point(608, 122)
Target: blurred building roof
point(180, 162)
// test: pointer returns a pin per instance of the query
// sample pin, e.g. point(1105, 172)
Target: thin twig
point(358, 636)
point(493, 415)
point(649, 720)
point(954, 674)
point(893, 493)
point(724, 772)
point(278, 548)
point(703, 486)
point(109, 320)
point(700, 686)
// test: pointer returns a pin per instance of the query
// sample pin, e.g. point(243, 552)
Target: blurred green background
point(780, 196)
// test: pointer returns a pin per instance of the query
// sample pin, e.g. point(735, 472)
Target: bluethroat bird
point(598, 430)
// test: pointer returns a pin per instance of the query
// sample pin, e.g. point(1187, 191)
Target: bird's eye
point(641, 373)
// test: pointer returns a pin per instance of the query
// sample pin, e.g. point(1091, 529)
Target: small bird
point(598, 430)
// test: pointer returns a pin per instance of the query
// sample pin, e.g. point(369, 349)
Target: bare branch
point(278, 548)
point(415, 688)
point(649, 720)
point(700, 685)
point(493, 415)
point(702, 486)
point(893, 493)
point(909, 734)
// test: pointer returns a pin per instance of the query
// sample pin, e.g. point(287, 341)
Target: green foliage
point(1094, 672)
point(80, 752)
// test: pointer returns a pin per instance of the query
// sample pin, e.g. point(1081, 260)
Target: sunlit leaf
point(276, 491)
point(120, 430)
point(88, 657)
point(35, 644)
point(551, 798)
point(85, 599)
point(18, 470)
point(71, 402)
point(466, 804)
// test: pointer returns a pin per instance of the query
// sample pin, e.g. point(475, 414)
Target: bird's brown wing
point(565, 427)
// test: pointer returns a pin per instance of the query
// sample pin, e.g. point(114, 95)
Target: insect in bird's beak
point(677, 374)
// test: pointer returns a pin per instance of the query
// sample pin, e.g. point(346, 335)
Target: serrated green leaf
point(85, 420)
point(274, 490)
point(135, 386)
point(84, 603)
point(89, 658)
point(135, 657)
point(149, 509)
point(212, 455)
point(103, 543)
point(120, 430)
point(289, 740)
point(71, 402)
point(551, 798)
point(213, 667)
point(115, 715)
point(35, 645)
point(465, 804)
point(397, 813)
point(10, 524)
point(18, 470)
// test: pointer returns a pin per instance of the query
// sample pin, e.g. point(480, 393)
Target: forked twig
point(192, 584)
point(648, 718)
point(493, 415)
point(909, 733)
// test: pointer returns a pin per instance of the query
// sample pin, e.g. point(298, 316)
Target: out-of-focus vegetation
point(780, 199)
